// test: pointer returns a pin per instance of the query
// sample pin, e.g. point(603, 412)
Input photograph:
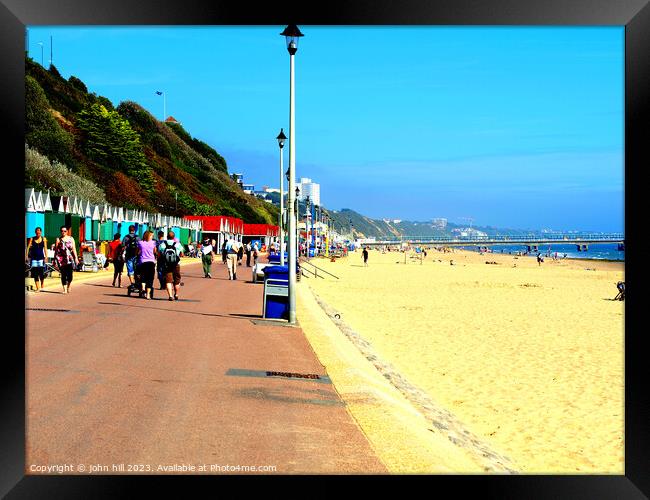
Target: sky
point(513, 127)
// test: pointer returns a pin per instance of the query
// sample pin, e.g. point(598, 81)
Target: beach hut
point(116, 224)
point(47, 203)
point(34, 216)
point(30, 200)
point(263, 232)
point(95, 217)
point(88, 222)
point(59, 202)
point(39, 201)
point(54, 220)
point(106, 224)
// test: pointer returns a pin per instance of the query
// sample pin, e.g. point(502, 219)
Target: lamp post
point(162, 93)
point(308, 221)
point(292, 34)
point(41, 44)
point(326, 221)
point(281, 138)
point(314, 218)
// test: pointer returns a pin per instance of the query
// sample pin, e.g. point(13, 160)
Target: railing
point(316, 269)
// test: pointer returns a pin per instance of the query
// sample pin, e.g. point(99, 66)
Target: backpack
point(171, 257)
point(132, 246)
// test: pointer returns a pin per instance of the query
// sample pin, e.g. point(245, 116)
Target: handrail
point(305, 261)
point(304, 269)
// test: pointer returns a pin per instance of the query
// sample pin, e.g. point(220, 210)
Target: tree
point(109, 140)
point(78, 84)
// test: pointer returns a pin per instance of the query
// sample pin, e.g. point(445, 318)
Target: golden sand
point(526, 359)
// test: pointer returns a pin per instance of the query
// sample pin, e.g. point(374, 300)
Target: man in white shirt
point(232, 247)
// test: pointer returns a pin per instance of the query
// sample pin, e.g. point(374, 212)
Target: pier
point(582, 241)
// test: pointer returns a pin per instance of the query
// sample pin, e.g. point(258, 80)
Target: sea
point(596, 251)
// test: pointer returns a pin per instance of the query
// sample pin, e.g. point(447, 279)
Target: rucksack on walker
point(171, 257)
point(132, 245)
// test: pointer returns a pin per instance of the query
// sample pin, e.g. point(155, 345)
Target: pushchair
point(89, 258)
point(136, 287)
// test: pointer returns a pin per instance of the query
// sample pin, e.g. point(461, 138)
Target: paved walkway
point(115, 380)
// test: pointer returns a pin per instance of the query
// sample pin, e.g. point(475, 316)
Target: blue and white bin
point(276, 292)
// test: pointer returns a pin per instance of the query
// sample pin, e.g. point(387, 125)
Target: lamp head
point(292, 35)
point(281, 138)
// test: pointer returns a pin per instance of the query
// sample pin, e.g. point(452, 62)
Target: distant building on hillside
point(171, 119)
point(248, 188)
point(309, 188)
point(439, 223)
point(469, 232)
point(239, 179)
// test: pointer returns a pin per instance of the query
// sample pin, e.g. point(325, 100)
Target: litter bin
point(274, 258)
point(276, 292)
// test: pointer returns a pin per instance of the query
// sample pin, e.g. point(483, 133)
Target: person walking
point(207, 254)
point(116, 256)
point(36, 257)
point(248, 254)
point(66, 257)
point(130, 243)
point(256, 254)
point(160, 261)
point(224, 251)
point(172, 251)
point(365, 256)
point(232, 249)
point(240, 254)
point(147, 254)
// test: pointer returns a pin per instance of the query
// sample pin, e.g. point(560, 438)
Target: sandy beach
point(524, 362)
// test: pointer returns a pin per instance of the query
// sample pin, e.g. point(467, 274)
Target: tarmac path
point(121, 381)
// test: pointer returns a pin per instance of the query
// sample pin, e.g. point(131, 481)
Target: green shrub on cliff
point(43, 175)
point(41, 129)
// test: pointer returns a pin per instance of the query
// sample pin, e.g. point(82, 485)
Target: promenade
point(115, 382)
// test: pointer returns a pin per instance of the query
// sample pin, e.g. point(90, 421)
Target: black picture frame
point(15, 15)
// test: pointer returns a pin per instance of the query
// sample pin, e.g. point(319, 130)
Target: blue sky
point(513, 126)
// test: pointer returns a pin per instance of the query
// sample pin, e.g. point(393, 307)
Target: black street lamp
point(292, 35)
point(281, 138)
point(308, 221)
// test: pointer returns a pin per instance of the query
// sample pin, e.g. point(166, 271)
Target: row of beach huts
point(92, 222)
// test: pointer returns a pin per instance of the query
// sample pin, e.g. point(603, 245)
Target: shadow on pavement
point(148, 305)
